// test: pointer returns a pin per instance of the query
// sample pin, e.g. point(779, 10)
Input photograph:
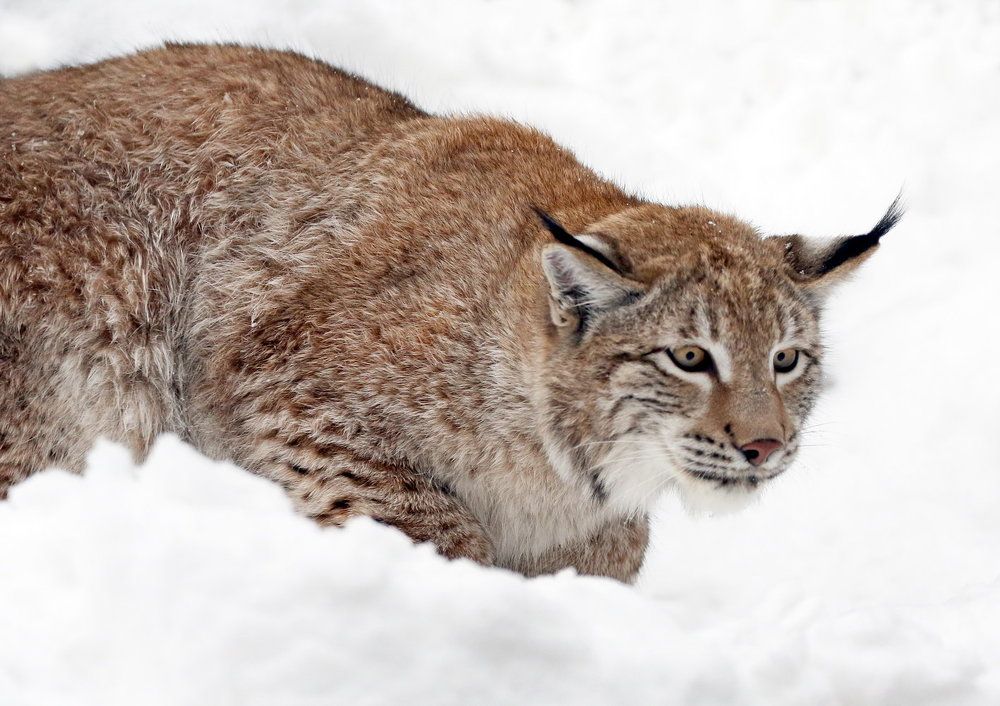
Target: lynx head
point(684, 350)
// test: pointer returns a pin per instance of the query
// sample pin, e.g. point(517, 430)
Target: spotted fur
point(306, 274)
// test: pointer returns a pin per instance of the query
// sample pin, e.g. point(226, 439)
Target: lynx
point(447, 324)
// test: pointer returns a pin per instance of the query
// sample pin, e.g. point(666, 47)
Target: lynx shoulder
point(447, 324)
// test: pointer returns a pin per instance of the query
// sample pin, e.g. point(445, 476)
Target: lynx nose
point(757, 452)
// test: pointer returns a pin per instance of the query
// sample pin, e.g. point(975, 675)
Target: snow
point(870, 574)
point(192, 582)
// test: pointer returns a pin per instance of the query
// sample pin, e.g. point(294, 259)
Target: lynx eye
point(692, 359)
point(785, 360)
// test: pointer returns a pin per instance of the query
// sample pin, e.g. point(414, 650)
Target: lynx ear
point(583, 280)
point(580, 287)
point(818, 264)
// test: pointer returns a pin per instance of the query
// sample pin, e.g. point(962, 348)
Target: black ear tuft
point(568, 239)
point(889, 220)
point(852, 247)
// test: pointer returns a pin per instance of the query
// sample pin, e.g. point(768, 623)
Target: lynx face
point(693, 365)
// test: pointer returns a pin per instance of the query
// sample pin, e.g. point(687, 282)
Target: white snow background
point(869, 574)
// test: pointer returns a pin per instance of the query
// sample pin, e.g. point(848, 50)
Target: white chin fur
point(642, 473)
point(701, 497)
point(635, 481)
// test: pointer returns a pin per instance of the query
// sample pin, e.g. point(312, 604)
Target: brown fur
point(301, 272)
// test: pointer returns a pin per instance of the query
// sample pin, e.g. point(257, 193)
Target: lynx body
point(447, 324)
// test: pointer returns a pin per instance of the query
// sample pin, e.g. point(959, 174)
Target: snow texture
point(870, 574)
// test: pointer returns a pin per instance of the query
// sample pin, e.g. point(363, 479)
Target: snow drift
point(192, 582)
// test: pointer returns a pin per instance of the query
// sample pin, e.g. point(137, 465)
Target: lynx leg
point(616, 550)
point(331, 484)
point(32, 433)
